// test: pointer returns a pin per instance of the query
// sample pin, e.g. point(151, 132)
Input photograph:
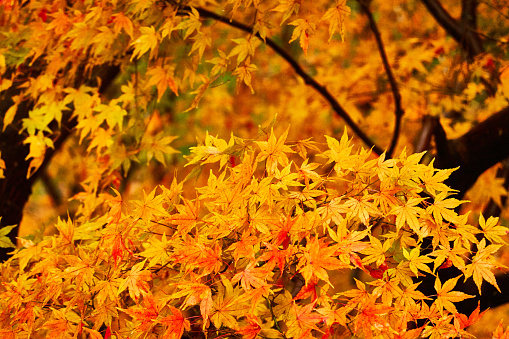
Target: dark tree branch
point(469, 13)
point(398, 110)
point(459, 30)
point(16, 188)
point(308, 79)
point(480, 148)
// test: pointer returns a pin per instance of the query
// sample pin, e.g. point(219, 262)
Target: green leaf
point(5, 242)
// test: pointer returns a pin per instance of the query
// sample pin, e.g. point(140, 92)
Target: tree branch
point(308, 79)
point(468, 14)
point(480, 148)
point(16, 188)
point(398, 110)
point(458, 30)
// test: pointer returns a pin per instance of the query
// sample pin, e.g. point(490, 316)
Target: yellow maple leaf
point(491, 231)
point(147, 41)
point(136, 281)
point(288, 7)
point(243, 73)
point(482, 265)
point(303, 30)
point(446, 296)
point(274, 151)
point(336, 18)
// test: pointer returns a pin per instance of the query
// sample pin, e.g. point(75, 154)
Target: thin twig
point(308, 79)
point(398, 110)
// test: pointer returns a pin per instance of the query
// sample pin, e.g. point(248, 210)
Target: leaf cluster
point(256, 251)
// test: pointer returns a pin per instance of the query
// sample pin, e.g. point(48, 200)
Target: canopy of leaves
point(251, 248)
point(221, 262)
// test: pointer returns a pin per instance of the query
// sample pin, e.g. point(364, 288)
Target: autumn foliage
point(254, 252)
point(227, 168)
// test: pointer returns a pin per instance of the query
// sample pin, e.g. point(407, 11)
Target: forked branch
point(459, 30)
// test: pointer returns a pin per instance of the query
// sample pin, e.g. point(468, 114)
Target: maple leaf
point(201, 41)
point(336, 18)
point(275, 255)
point(136, 281)
point(358, 296)
point(156, 251)
point(200, 91)
point(176, 323)
point(361, 207)
point(147, 313)
point(491, 231)
point(274, 151)
point(461, 321)
point(408, 213)
point(417, 262)
point(243, 73)
point(339, 152)
point(122, 22)
point(252, 328)
point(410, 295)
point(375, 252)
point(101, 138)
point(150, 205)
point(304, 321)
point(252, 276)
point(11, 112)
point(161, 78)
point(433, 179)
point(148, 41)
point(316, 259)
point(446, 297)
point(2, 167)
point(244, 247)
point(443, 209)
point(244, 49)
point(38, 145)
point(158, 146)
point(302, 31)
point(187, 217)
point(371, 317)
point(454, 255)
point(499, 332)
point(482, 265)
point(192, 23)
point(288, 7)
point(226, 306)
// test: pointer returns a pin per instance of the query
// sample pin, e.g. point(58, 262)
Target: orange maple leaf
point(304, 322)
point(461, 321)
point(136, 281)
point(176, 323)
point(253, 276)
point(500, 333)
point(372, 316)
point(251, 330)
point(316, 259)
